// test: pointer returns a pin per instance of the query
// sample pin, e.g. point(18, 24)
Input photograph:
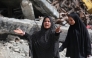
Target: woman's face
point(71, 21)
point(47, 23)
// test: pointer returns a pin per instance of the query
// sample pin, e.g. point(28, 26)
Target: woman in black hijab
point(77, 41)
point(44, 43)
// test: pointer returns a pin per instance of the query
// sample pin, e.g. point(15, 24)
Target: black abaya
point(77, 40)
point(44, 43)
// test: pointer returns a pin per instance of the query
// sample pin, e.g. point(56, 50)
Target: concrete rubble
point(14, 46)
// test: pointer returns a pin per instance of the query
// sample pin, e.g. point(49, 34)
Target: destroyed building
point(24, 13)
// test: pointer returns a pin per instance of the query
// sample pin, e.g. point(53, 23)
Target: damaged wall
point(11, 44)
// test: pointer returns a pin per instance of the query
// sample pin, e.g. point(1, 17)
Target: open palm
point(19, 31)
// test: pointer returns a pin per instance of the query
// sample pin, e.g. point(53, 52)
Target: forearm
point(25, 34)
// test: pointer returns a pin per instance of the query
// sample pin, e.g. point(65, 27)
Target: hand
point(58, 29)
point(61, 49)
point(19, 31)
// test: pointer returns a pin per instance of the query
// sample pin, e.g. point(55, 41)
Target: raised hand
point(58, 29)
point(19, 31)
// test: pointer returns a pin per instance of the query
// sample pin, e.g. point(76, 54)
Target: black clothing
point(77, 40)
point(44, 43)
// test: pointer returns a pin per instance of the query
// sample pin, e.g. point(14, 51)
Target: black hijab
point(47, 32)
point(77, 40)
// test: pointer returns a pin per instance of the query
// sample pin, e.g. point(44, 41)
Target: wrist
point(23, 34)
point(59, 31)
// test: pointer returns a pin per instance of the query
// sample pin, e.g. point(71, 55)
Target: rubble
point(14, 46)
point(66, 7)
point(27, 9)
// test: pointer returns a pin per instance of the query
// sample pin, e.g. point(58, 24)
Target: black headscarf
point(51, 29)
point(45, 34)
point(77, 40)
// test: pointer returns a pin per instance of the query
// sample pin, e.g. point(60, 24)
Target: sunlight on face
point(47, 23)
point(71, 21)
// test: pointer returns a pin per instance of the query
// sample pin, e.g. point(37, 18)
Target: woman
point(44, 43)
point(77, 40)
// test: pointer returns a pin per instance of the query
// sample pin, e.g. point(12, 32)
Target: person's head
point(71, 21)
point(75, 20)
point(47, 23)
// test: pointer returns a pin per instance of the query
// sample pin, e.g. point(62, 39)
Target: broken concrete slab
point(27, 9)
point(46, 8)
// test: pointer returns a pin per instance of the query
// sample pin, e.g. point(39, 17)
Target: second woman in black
point(77, 41)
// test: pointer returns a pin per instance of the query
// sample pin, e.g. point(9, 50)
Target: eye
point(48, 21)
point(45, 21)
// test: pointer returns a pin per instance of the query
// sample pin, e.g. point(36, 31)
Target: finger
point(58, 27)
point(16, 31)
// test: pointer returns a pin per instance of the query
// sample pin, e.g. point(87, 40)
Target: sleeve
point(27, 36)
point(56, 36)
point(87, 42)
point(88, 46)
